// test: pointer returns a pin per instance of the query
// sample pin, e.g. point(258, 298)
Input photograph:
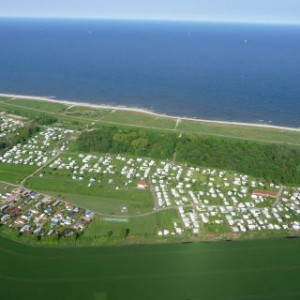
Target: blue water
point(216, 71)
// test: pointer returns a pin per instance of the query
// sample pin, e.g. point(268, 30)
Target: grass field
point(265, 269)
point(101, 198)
point(241, 132)
point(16, 173)
point(139, 119)
point(140, 201)
point(86, 112)
point(138, 227)
point(36, 105)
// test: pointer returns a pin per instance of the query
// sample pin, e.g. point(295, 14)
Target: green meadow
point(261, 269)
point(128, 230)
point(139, 119)
point(15, 173)
point(35, 105)
point(99, 198)
point(87, 112)
point(261, 134)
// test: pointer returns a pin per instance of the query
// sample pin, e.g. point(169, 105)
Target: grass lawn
point(87, 112)
point(139, 119)
point(139, 226)
point(5, 188)
point(36, 105)
point(99, 198)
point(215, 228)
point(105, 205)
point(241, 132)
point(15, 173)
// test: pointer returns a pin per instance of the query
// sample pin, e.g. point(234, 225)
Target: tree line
point(273, 162)
point(133, 142)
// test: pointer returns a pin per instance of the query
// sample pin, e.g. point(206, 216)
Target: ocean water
point(233, 72)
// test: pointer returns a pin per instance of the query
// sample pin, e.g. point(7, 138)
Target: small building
point(37, 230)
point(5, 218)
point(25, 228)
point(39, 217)
point(264, 193)
point(89, 214)
point(69, 207)
point(15, 211)
point(68, 232)
point(142, 184)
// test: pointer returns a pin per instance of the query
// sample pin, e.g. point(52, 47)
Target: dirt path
point(69, 107)
point(278, 197)
point(178, 121)
point(58, 152)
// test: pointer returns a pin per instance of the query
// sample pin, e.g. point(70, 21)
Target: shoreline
point(148, 112)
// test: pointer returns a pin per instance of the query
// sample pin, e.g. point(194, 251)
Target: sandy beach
point(145, 111)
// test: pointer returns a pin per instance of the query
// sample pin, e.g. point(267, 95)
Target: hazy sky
point(270, 11)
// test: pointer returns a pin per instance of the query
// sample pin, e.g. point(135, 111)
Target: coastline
point(148, 112)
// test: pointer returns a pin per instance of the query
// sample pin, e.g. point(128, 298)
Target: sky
point(254, 11)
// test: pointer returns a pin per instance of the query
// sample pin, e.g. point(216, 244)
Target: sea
point(217, 71)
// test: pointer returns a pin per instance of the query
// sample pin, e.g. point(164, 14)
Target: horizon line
point(151, 20)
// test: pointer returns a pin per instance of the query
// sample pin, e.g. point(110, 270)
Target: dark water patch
point(216, 71)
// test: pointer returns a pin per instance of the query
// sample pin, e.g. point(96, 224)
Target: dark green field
point(266, 269)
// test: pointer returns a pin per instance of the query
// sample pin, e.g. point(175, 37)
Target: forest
point(273, 162)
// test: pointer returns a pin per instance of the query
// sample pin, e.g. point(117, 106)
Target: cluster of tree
point(45, 119)
point(23, 134)
point(275, 163)
point(133, 142)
